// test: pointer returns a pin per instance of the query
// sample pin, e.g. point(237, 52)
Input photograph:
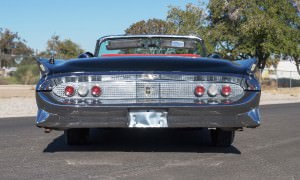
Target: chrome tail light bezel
point(148, 84)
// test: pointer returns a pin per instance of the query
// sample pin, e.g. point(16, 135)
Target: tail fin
point(43, 65)
point(251, 65)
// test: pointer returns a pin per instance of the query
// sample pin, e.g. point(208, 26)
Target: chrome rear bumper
point(55, 115)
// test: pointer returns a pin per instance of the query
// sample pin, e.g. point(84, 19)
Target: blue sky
point(82, 21)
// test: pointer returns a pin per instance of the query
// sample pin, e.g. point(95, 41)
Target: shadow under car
point(193, 140)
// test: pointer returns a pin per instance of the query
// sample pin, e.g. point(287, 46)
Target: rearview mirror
point(215, 55)
point(86, 55)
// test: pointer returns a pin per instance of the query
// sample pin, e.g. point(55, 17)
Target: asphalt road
point(271, 151)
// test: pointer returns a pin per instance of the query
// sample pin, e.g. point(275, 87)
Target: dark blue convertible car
point(148, 81)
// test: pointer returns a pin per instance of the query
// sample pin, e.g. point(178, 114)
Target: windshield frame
point(115, 37)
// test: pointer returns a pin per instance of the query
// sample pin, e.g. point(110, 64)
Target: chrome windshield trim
point(148, 36)
point(104, 38)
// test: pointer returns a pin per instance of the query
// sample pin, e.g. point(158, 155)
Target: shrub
point(27, 74)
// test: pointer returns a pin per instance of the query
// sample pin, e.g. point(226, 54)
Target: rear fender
point(45, 66)
point(251, 65)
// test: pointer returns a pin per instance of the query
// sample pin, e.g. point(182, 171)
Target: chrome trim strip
point(148, 36)
point(147, 90)
point(144, 86)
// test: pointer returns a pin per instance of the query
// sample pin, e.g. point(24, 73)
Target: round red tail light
point(199, 91)
point(69, 91)
point(226, 90)
point(96, 91)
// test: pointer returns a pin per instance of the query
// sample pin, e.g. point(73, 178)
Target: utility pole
point(0, 58)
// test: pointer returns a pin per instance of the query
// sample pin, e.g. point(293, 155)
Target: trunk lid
point(147, 64)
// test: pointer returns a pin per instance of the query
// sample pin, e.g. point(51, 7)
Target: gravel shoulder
point(280, 96)
point(19, 100)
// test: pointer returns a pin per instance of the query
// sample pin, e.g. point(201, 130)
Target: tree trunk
point(262, 58)
point(262, 63)
point(297, 64)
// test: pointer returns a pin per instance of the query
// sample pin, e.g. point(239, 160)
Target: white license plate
point(147, 119)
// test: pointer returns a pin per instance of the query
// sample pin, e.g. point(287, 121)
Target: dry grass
point(291, 91)
point(9, 91)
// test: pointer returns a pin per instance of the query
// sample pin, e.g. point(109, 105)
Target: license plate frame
point(147, 118)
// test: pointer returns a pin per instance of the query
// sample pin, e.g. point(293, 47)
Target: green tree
point(255, 28)
point(12, 46)
point(188, 21)
point(192, 20)
point(151, 26)
point(296, 55)
point(65, 49)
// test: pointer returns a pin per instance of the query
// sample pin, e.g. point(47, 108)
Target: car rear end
point(148, 82)
point(137, 100)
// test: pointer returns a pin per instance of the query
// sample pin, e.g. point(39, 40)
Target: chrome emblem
point(148, 91)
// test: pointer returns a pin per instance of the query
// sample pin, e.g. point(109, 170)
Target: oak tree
point(150, 26)
point(64, 49)
point(254, 28)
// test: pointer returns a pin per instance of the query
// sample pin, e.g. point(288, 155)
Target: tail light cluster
point(166, 88)
point(213, 90)
point(83, 91)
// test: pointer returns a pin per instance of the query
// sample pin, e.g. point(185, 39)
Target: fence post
point(277, 82)
point(260, 77)
point(290, 79)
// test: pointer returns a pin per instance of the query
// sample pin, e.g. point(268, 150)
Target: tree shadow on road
point(144, 140)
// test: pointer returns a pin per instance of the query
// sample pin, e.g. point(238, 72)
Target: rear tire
point(76, 137)
point(222, 138)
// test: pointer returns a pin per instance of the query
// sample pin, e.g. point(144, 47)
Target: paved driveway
point(270, 152)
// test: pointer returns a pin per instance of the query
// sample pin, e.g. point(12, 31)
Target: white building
point(7, 71)
point(285, 69)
